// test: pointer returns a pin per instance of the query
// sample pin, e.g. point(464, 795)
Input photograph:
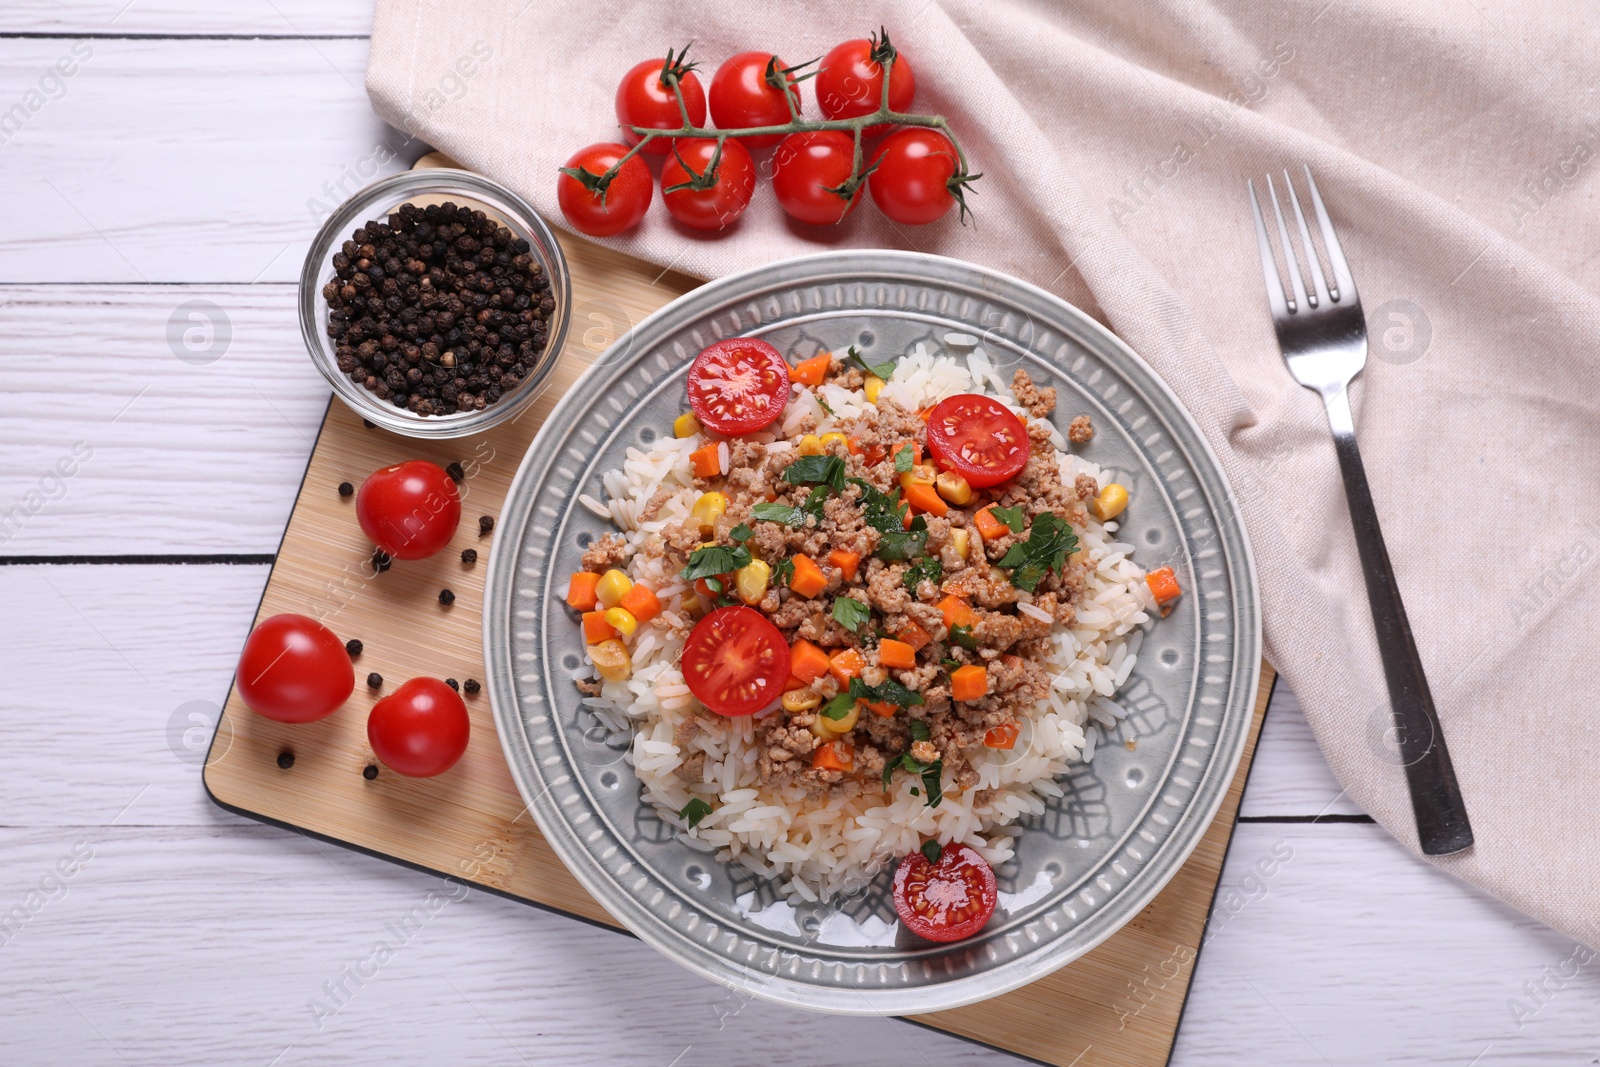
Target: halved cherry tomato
point(421, 729)
point(739, 385)
point(410, 510)
point(735, 661)
point(294, 669)
point(946, 901)
point(645, 99)
point(743, 95)
point(978, 438)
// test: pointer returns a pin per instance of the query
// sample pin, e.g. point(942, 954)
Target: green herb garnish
point(931, 773)
point(1013, 517)
point(926, 569)
point(740, 533)
point(694, 811)
point(920, 731)
point(887, 691)
point(904, 544)
point(850, 613)
point(932, 851)
point(1050, 541)
point(902, 460)
point(882, 370)
point(783, 571)
point(715, 559)
point(962, 635)
point(787, 514)
point(825, 406)
point(816, 470)
point(882, 511)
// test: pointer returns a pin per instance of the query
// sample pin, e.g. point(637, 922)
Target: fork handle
point(1442, 824)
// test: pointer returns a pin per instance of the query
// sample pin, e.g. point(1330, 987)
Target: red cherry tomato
point(850, 80)
point(720, 205)
point(910, 182)
point(645, 99)
point(293, 669)
point(978, 438)
point(626, 197)
point(420, 729)
point(735, 661)
point(806, 167)
point(410, 510)
point(742, 97)
point(738, 386)
point(945, 901)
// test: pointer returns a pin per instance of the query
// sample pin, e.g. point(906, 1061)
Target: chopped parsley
point(1050, 541)
point(887, 691)
point(713, 560)
point(932, 851)
point(1014, 517)
point(740, 533)
point(783, 571)
point(824, 404)
point(962, 635)
point(902, 460)
point(929, 772)
point(904, 544)
point(694, 811)
point(927, 569)
point(850, 613)
point(882, 370)
point(816, 470)
point(793, 515)
point(882, 511)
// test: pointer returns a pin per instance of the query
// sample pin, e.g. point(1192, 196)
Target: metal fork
point(1323, 335)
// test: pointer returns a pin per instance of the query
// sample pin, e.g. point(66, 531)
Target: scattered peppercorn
point(369, 772)
point(469, 556)
point(456, 473)
point(285, 760)
point(446, 597)
point(353, 647)
point(346, 489)
point(453, 684)
point(381, 561)
point(369, 424)
point(471, 687)
point(485, 524)
point(437, 309)
point(374, 680)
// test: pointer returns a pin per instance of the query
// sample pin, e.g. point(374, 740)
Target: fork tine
point(1319, 284)
point(1343, 283)
point(1288, 250)
point(1269, 267)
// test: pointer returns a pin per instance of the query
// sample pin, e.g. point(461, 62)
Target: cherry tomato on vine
point(742, 96)
point(735, 661)
point(421, 729)
point(720, 204)
point(945, 901)
point(739, 385)
point(979, 438)
point(410, 510)
point(626, 198)
point(294, 669)
point(645, 98)
point(850, 80)
point(911, 175)
point(807, 167)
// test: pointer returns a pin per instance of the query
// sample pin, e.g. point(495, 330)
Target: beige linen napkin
point(1455, 142)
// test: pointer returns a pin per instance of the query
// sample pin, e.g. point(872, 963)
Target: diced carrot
point(925, 413)
point(896, 655)
point(925, 498)
point(640, 600)
point(705, 462)
point(969, 683)
point(807, 662)
point(724, 580)
point(882, 707)
point(580, 591)
point(1163, 585)
point(852, 446)
point(873, 455)
point(846, 561)
point(596, 629)
point(957, 612)
point(807, 579)
point(794, 683)
point(811, 371)
point(1002, 736)
point(915, 636)
point(834, 756)
point(846, 664)
point(988, 526)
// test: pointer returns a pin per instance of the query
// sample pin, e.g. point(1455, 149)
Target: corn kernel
point(821, 730)
point(874, 385)
point(685, 425)
point(811, 445)
point(829, 439)
point(959, 542)
point(953, 488)
point(800, 700)
point(921, 474)
point(614, 585)
point(707, 510)
point(751, 581)
point(611, 659)
point(840, 727)
point(1109, 504)
point(622, 621)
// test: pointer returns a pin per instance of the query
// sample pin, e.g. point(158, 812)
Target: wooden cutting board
point(1119, 1005)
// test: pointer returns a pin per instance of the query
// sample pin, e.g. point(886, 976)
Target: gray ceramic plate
point(1128, 820)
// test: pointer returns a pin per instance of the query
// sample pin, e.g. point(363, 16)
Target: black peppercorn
point(346, 489)
point(485, 524)
point(471, 687)
point(453, 684)
point(353, 647)
point(285, 760)
point(469, 556)
point(456, 474)
point(374, 680)
point(369, 424)
point(381, 561)
point(369, 772)
point(446, 597)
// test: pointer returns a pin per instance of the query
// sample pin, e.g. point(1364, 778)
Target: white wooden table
point(181, 162)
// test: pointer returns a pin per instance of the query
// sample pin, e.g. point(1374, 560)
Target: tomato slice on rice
point(735, 661)
point(738, 386)
point(979, 438)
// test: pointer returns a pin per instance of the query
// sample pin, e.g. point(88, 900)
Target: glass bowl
point(424, 187)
